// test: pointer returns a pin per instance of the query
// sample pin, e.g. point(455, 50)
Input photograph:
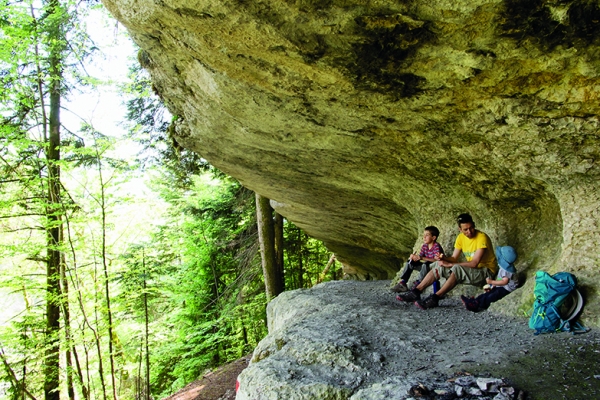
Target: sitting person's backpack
point(550, 292)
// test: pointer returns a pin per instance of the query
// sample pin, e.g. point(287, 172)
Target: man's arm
point(448, 262)
point(475, 260)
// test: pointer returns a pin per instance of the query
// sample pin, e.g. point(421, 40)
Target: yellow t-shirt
point(470, 246)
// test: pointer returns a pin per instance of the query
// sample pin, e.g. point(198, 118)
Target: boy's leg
point(401, 286)
point(407, 271)
point(423, 270)
point(485, 299)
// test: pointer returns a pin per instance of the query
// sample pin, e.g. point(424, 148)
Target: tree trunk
point(51, 363)
point(64, 285)
point(278, 228)
point(266, 237)
point(329, 264)
point(147, 331)
point(111, 356)
point(65, 290)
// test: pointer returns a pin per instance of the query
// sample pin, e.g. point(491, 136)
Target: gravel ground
point(380, 347)
point(551, 366)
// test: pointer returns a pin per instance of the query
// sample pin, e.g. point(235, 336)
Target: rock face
point(352, 340)
point(365, 121)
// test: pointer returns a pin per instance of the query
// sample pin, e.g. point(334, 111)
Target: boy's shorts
point(465, 275)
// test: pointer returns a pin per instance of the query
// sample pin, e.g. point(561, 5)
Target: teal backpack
point(550, 293)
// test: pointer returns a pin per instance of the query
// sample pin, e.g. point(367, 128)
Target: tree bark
point(266, 237)
point(52, 359)
point(278, 229)
point(109, 318)
point(147, 330)
point(329, 264)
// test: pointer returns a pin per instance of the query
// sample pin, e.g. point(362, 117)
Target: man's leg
point(448, 285)
point(437, 273)
point(427, 281)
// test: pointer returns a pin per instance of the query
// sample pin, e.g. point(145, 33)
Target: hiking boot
point(415, 284)
point(400, 287)
point(428, 302)
point(409, 297)
point(470, 303)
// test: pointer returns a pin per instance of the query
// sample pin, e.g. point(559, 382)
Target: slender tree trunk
point(66, 320)
point(65, 290)
point(106, 281)
point(139, 387)
point(52, 360)
point(266, 237)
point(147, 332)
point(300, 268)
point(278, 229)
point(329, 264)
point(98, 347)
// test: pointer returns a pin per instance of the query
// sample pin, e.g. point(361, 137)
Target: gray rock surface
point(353, 340)
point(365, 121)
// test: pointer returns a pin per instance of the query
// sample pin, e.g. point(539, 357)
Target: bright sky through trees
point(103, 108)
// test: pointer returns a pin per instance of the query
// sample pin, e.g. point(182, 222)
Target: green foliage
point(215, 293)
point(151, 125)
point(211, 308)
point(305, 259)
point(197, 277)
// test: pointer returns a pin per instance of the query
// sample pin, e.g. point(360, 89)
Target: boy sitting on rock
point(496, 289)
point(430, 249)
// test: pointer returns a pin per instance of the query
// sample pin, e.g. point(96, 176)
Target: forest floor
point(216, 385)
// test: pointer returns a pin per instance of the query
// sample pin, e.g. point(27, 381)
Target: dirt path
point(217, 385)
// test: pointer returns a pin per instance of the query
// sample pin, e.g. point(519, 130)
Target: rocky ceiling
point(364, 121)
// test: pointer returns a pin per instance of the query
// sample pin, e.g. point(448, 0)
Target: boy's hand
point(415, 257)
point(439, 257)
point(488, 280)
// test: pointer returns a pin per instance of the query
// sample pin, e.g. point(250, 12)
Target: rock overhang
point(366, 121)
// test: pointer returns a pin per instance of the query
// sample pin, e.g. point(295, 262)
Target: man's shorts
point(464, 275)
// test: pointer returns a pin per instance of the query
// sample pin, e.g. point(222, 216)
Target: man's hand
point(445, 264)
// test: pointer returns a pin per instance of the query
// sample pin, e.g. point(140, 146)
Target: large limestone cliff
point(365, 121)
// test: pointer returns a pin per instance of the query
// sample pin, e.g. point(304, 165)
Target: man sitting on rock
point(481, 264)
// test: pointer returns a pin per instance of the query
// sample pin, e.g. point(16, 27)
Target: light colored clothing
point(513, 282)
point(470, 246)
point(466, 275)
